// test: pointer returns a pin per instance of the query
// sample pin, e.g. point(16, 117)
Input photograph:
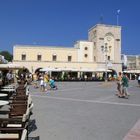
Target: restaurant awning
point(87, 70)
point(131, 71)
point(102, 70)
point(10, 66)
point(47, 69)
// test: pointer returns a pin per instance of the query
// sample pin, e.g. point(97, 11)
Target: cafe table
point(3, 95)
point(2, 103)
point(8, 90)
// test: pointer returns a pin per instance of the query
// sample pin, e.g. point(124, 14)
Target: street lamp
point(105, 51)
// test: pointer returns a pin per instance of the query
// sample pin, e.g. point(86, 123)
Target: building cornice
point(43, 47)
point(64, 62)
point(104, 25)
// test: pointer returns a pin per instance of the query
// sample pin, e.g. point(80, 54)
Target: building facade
point(131, 62)
point(102, 51)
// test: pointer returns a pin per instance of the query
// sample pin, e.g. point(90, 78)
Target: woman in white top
point(42, 88)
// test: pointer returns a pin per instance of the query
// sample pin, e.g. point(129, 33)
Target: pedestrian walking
point(35, 79)
point(125, 84)
point(9, 77)
point(46, 80)
point(42, 87)
point(119, 85)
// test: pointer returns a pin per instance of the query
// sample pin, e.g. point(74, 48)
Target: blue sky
point(62, 22)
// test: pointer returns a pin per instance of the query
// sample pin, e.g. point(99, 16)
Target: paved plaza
point(84, 111)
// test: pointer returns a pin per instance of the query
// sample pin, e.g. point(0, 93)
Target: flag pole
point(118, 11)
point(117, 19)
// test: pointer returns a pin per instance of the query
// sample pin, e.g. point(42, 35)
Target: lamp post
point(105, 51)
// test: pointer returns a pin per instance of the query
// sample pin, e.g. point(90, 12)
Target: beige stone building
point(133, 62)
point(131, 65)
point(101, 52)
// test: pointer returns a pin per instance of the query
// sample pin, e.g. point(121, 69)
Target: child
point(52, 83)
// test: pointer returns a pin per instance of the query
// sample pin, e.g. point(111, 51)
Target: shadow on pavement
point(34, 138)
point(32, 126)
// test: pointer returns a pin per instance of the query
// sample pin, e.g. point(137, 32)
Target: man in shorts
point(119, 87)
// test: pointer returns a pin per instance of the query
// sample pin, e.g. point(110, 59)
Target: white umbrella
point(86, 70)
point(102, 70)
point(10, 66)
point(45, 69)
point(50, 69)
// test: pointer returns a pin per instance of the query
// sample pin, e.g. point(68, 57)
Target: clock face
point(109, 38)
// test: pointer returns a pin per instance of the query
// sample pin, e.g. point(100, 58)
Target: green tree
point(7, 55)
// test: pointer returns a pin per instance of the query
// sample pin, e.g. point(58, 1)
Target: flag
point(118, 11)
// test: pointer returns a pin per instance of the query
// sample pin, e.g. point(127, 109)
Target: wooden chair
point(13, 122)
point(10, 125)
point(13, 134)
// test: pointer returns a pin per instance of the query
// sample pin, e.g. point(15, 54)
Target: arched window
point(39, 57)
point(23, 56)
point(54, 57)
point(69, 58)
point(86, 48)
point(86, 55)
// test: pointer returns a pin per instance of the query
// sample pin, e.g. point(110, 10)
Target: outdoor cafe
point(73, 74)
point(16, 107)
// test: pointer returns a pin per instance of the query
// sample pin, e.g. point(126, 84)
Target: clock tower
point(106, 43)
